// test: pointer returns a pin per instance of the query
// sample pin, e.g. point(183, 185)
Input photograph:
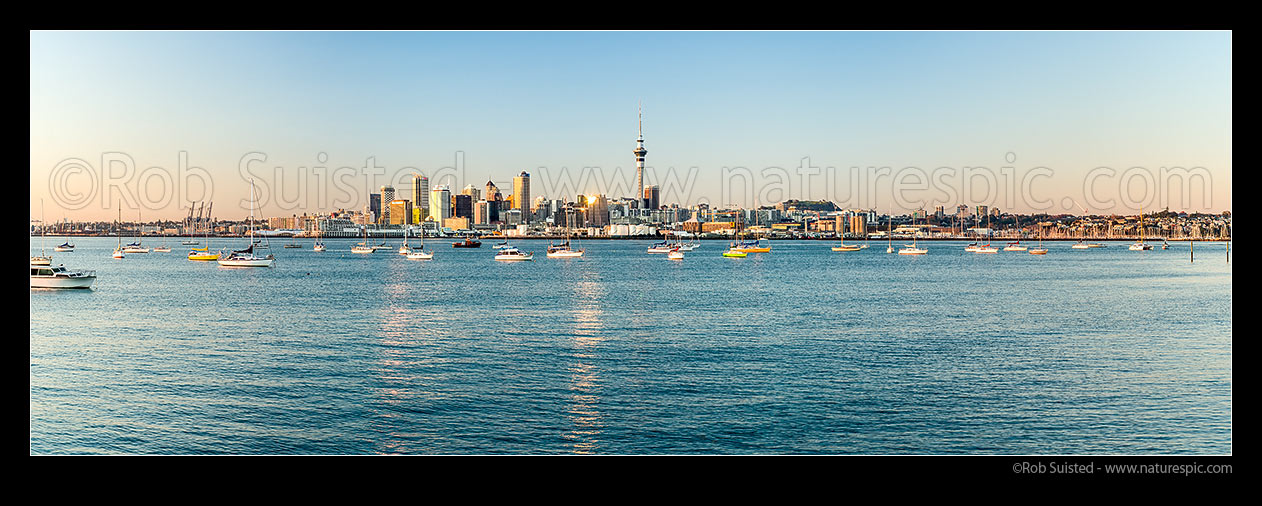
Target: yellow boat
point(848, 247)
point(202, 255)
point(735, 253)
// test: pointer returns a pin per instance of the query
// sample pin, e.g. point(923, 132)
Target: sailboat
point(1039, 250)
point(247, 257)
point(363, 247)
point(564, 250)
point(986, 248)
point(420, 253)
point(65, 247)
point(1141, 245)
point(842, 246)
point(1016, 245)
point(319, 245)
point(661, 247)
point(734, 249)
point(692, 244)
point(135, 247)
point(202, 254)
point(889, 235)
point(912, 249)
point(404, 249)
point(118, 250)
point(163, 248)
point(43, 258)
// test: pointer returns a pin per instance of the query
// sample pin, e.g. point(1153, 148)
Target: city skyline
point(460, 109)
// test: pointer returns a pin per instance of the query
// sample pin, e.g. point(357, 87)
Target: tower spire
point(639, 158)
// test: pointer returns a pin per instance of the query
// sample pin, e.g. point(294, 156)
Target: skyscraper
point(598, 211)
point(639, 158)
point(463, 206)
point(482, 212)
point(374, 205)
point(387, 196)
point(471, 191)
point(652, 197)
point(440, 204)
point(400, 212)
point(420, 197)
point(521, 195)
point(494, 201)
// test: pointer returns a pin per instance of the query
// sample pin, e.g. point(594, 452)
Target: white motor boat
point(47, 276)
point(511, 254)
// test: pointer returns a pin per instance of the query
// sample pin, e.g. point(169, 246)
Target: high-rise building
point(387, 196)
point(652, 197)
point(521, 195)
point(495, 202)
point(482, 212)
point(541, 209)
point(597, 211)
point(400, 212)
point(420, 198)
point(472, 192)
point(462, 206)
point(374, 205)
point(492, 192)
point(440, 204)
point(639, 157)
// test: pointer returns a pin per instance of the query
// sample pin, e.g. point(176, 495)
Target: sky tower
point(639, 161)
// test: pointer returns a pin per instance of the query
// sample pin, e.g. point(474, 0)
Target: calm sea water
point(800, 351)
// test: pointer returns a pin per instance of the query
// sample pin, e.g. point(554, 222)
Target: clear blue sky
point(513, 101)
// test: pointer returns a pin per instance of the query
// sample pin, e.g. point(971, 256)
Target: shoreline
point(661, 237)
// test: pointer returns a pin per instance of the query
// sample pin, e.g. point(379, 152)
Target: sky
point(143, 123)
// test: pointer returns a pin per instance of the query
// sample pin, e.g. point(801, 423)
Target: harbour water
point(800, 351)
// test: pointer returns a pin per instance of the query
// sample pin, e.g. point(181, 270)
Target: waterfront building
point(858, 224)
point(521, 195)
point(597, 211)
point(420, 198)
point(472, 192)
point(440, 203)
point(462, 206)
point(387, 196)
point(400, 212)
point(457, 223)
point(512, 217)
point(482, 212)
point(652, 197)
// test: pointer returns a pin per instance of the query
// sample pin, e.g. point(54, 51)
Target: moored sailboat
point(247, 257)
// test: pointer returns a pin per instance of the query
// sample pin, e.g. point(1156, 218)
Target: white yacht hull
point(251, 262)
point(565, 254)
point(61, 282)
